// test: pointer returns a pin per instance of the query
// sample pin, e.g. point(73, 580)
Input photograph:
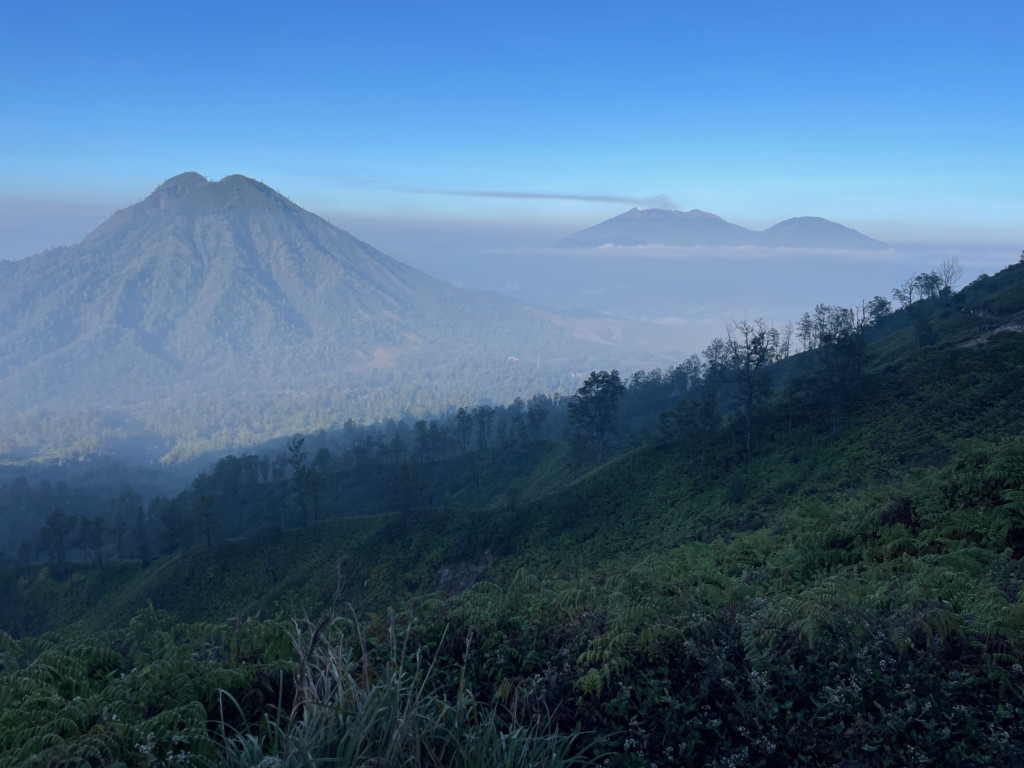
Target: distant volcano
point(206, 295)
point(657, 226)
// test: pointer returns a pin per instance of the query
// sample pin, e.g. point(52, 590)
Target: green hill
point(823, 600)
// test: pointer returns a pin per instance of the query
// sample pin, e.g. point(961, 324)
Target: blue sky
point(903, 119)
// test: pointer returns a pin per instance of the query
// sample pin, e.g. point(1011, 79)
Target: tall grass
point(347, 711)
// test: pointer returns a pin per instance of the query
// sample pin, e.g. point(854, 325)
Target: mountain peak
point(658, 226)
point(180, 185)
point(665, 213)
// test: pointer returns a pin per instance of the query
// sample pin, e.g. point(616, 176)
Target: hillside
point(830, 598)
point(220, 313)
point(919, 403)
point(656, 226)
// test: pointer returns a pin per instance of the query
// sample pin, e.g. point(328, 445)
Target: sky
point(465, 138)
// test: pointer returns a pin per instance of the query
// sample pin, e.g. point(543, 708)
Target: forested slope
point(844, 590)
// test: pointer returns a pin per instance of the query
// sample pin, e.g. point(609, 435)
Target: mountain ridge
point(659, 226)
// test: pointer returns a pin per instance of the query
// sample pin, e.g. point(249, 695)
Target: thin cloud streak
point(656, 201)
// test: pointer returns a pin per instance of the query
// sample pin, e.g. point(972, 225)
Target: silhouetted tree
point(950, 273)
point(841, 357)
point(422, 433)
point(536, 413)
point(119, 530)
point(463, 429)
point(594, 408)
point(206, 518)
point(483, 416)
point(56, 533)
point(178, 529)
point(406, 492)
point(878, 308)
point(691, 427)
point(311, 485)
point(322, 460)
point(90, 538)
point(296, 456)
point(751, 351)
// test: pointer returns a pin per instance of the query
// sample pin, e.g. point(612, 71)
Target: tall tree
point(119, 530)
point(311, 486)
point(90, 538)
point(691, 427)
point(422, 432)
point(406, 491)
point(296, 456)
point(57, 532)
point(178, 529)
point(536, 413)
point(483, 416)
point(950, 273)
point(750, 354)
point(842, 357)
point(878, 308)
point(206, 517)
point(594, 408)
point(463, 428)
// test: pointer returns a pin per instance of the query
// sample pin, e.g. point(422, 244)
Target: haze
point(900, 122)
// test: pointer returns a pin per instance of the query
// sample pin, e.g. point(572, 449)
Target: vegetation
point(785, 559)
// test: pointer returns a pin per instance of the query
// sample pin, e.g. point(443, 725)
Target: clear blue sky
point(905, 120)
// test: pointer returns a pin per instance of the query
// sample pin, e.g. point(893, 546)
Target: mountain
point(221, 310)
point(699, 228)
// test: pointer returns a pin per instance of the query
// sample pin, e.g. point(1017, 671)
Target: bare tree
point(785, 341)
point(950, 273)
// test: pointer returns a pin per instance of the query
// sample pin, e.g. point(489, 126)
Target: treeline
point(481, 457)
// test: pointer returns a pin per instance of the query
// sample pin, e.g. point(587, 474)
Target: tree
point(750, 353)
point(296, 456)
point(119, 530)
point(594, 408)
point(422, 432)
point(536, 413)
point(24, 552)
point(785, 341)
point(483, 416)
point(842, 358)
point(463, 428)
point(928, 285)
point(54, 534)
point(878, 308)
point(950, 273)
point(438, 440)
point(311, 485)
point(406, 492)
point(805, 332)
point(279, 466)
point(322, 460)
point(691, 427)
point(178, 529)
point(206, 518)
point(264, 468)
point(90, 538)
point(906, 292)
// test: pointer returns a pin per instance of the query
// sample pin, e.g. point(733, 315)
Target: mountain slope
point(226, 289)
point(699, 228)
